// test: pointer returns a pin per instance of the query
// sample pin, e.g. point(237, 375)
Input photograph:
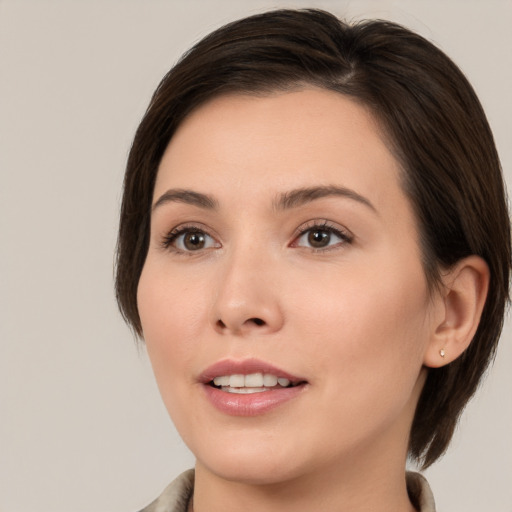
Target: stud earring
point(442, 352)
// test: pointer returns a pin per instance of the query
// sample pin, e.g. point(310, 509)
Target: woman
point(315, 247)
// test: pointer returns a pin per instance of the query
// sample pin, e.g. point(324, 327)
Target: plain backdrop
point(81, 423)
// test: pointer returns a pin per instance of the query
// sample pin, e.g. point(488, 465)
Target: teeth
point(251, 383)
point(244, 391)
point(269, 380)
point(221, 381)
point(254, 380)
point(237, 381)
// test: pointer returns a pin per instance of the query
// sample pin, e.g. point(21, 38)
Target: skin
point(354, 318)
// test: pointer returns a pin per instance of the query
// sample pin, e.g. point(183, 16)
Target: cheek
point(369, 326)
point(172, 315)
point(366, 352)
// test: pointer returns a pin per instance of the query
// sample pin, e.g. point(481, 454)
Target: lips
point(249, 387)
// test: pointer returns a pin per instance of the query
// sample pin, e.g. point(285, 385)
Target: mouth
point(258, 382)
point(249, 387)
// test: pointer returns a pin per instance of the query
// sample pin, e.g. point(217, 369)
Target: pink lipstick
point(249, 387)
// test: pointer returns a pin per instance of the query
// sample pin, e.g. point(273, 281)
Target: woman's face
point(282, 246)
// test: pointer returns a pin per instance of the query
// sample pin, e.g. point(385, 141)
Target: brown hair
point(429, 115)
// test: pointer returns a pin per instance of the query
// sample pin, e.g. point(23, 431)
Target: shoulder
point(420, 493)
point(175, 496)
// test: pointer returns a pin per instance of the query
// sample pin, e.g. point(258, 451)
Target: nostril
point(254, 321)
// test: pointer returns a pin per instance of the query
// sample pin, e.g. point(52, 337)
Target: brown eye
point(322, 236)
point(190, 240)
point(194, 241)
point(319, 238)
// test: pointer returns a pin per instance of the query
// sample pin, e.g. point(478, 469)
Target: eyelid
point(326, 225)
point(169, 237)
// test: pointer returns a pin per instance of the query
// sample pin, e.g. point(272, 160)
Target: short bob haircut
point(429, 117)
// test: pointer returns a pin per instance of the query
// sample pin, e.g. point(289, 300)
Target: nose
point(247, 299)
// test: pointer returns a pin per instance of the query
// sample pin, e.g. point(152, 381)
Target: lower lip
point(251, 404)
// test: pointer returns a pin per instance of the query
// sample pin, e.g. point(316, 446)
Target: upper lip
point(245, 367)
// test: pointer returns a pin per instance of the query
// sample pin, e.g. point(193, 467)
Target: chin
point(253, 473)
point(252, 462)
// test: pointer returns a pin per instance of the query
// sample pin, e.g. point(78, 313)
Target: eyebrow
point(178, 195)
point(285, 201)
point(302, 196)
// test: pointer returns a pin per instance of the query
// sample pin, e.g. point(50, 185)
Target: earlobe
point(463, 297)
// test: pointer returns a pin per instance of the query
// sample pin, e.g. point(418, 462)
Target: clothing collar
point(177, 494)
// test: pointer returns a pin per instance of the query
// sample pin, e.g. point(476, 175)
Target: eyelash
point(327, 226)
point(319, 225)
point(169, 239)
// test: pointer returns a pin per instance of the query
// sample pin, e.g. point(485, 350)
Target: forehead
point(285, 140)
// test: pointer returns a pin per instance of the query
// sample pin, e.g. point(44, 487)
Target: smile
point(251, 383)
point(249, 387)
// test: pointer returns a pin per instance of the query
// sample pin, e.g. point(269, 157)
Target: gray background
point(81, 423)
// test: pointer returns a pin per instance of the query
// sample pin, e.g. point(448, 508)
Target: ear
point(462, 296)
